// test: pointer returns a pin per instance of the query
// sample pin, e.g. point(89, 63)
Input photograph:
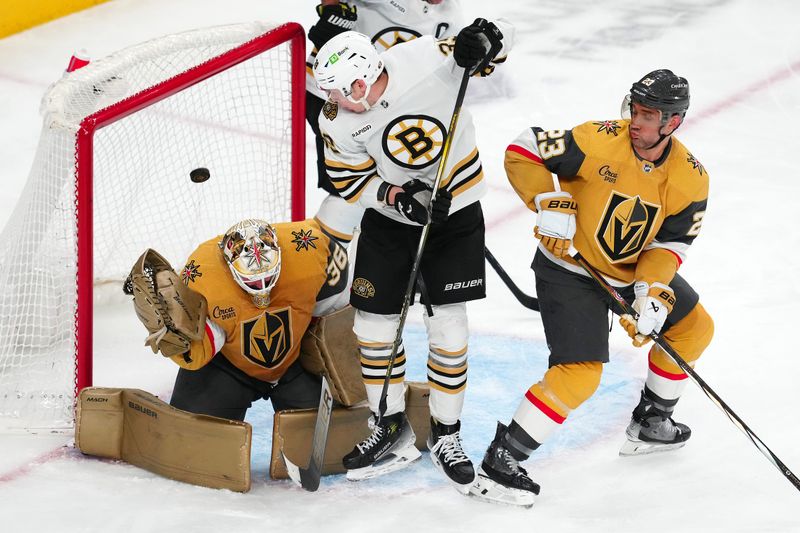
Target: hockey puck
point(199, 175)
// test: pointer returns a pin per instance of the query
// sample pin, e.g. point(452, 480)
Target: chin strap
point(362, 100)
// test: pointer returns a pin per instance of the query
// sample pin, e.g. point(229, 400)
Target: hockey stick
point(664, 345)
point(526, 300)
point(308, 478)
point(423, 239)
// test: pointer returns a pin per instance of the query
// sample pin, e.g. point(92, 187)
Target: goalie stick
point(526, 300)
point(664, 345)
point(308, 478)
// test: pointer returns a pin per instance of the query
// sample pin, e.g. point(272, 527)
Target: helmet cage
point(251, 250)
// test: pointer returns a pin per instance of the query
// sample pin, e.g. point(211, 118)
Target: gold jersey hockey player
point(631, 198)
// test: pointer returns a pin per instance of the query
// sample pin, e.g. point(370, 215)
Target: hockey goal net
point(111, 178)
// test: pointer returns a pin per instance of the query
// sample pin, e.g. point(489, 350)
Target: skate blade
point(390, 463)
point(488, 490)
point(632, 447)
point(463, 489)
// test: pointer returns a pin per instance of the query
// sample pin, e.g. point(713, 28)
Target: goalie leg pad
point(329, 348)
point(293, 430)
point(138, 428)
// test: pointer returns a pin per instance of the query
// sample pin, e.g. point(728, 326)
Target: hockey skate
point(652, 430)
point(447, 454)
point(500, 479)
point(390, 447)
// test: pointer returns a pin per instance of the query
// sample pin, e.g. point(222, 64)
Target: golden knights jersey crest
point(269, 337)
point(625, 225)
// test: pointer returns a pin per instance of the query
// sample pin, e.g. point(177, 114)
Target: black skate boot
point(652, 428)
point(447, 453)
point(500, 478)
point(389, 448)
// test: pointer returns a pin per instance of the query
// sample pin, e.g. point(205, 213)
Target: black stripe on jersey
point(447, 386)
point(445, 374)
point(453, 188)
point(460, 169)
point(331, 168)
point(567, 159)
point(393, 376)
point(684, 226)
point(358, 188)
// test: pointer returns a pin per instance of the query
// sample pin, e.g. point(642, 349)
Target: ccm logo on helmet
point(463, 284)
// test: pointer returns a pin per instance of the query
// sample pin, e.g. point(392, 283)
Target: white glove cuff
point(554, 223)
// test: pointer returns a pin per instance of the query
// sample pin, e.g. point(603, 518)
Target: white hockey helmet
point(348, 57)
point(251, 250)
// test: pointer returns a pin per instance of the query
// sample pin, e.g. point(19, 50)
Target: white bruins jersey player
point(384, 131)
point(388, 23)
point(401, 137)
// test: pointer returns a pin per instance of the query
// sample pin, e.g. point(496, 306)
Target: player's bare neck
point(378, 88)
point(655, 153)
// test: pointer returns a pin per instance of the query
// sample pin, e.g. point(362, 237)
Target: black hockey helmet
point(662, 90)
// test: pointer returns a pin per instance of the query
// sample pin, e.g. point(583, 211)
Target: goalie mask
point(348, 57)
point(250, 249)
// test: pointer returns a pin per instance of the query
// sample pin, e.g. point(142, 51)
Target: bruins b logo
point(388, 37)
point(413, 141)
point(267, 338)
point(625, 225)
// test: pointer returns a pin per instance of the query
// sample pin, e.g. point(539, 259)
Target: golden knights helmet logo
point(625, 226)
point(413, 141)
point(267, 338)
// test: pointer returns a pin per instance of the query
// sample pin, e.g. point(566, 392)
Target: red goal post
point(230, 99)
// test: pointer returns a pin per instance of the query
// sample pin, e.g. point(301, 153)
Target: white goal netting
point(220, 98)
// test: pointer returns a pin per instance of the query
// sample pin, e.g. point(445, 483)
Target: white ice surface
point(573, 62)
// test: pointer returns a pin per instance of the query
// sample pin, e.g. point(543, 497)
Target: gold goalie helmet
point(251, 250)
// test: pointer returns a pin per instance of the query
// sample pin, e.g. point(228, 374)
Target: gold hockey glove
point(555, 221)
point(174, 314)
point(652, 304)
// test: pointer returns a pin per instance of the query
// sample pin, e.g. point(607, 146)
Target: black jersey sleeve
point(559, 151)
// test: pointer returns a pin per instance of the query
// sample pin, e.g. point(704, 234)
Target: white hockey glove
point(555, 221)
point(653, 303)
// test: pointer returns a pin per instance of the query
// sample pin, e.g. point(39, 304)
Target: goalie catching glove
point(173, 313)
point(652, 305)
point(555, 221)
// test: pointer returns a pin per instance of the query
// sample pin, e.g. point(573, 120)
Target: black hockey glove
point(412, 202)
point(477, 44)
point(333, 20)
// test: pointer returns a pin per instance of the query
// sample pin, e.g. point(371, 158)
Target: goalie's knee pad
point(548, 403)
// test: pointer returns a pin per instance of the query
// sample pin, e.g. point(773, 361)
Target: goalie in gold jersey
point(631, 198)
point(259, 285)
